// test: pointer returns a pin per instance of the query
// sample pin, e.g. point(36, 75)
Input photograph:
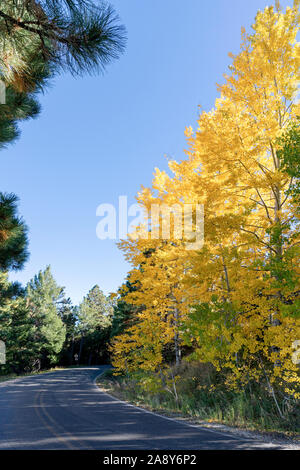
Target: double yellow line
point(52, 426)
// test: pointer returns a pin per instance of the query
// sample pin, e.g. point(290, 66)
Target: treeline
point(38, 40)
point(41, 328)
point(233, 305)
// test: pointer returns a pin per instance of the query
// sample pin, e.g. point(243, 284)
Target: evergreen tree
point(16, 325)
point(68, 314)
point(124, 313)
point(94, 321)
point(16, 328)
point(44, 297)
point(289, 155)
point(95, 310)
point(39, 39)
point(18, 106)
point(13, 234)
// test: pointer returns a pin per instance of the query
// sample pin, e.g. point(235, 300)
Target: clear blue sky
point(101, 137)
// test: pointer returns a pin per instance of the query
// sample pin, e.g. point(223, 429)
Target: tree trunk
point(72, 351)
point(177, 338)
point(80, 348)
point(90, 358)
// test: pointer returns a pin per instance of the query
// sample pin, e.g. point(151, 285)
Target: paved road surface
point(65, 410)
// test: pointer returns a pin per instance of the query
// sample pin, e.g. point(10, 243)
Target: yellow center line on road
point(52, 425)
point(46, 424)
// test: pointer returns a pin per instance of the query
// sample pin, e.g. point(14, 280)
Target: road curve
point(66, 410)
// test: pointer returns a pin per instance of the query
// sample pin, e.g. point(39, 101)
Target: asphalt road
point(66, 410)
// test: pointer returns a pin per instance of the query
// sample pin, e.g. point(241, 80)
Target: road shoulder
point(285, 443)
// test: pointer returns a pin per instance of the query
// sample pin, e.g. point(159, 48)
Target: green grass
point(249, 409)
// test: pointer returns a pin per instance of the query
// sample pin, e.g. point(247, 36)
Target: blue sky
point(101, 137)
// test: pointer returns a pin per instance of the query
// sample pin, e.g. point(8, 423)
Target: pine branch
point(75, 35)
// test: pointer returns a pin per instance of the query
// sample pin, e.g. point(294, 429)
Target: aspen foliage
point(237, 299)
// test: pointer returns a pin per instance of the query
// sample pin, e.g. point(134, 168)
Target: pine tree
point(124, 313)
point(13, 235)
point(94, 321)
point(74, 35)
point(95, 310)
point(17, 107)
point(40, 39)
point(43, 297)
point(16, 328)
point(289, 156)
point(69, 316)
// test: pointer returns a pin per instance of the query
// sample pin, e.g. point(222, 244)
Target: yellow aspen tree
point(235, 152)
point(240, 291)
point(158, 275)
